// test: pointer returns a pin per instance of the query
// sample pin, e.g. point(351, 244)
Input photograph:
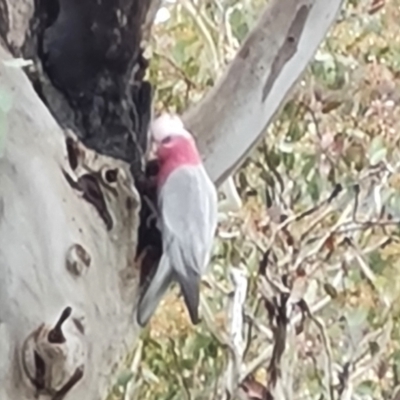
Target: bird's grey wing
point(188, 213)
point(153, 294)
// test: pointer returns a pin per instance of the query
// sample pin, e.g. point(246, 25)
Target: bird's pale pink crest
point(175, 145)
point(167, 124)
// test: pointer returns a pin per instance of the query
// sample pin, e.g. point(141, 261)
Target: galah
point(187, 208)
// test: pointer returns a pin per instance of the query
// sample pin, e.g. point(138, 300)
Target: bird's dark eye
point(167, 139)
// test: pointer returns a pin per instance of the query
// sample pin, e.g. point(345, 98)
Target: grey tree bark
point(72, 173)
point(233, 116)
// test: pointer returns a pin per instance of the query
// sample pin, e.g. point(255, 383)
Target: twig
point(324, 238)
point(366, 270)
point(355, 226)
point(236, 313)
point(188, 6)
point(232, 201)
point(367, 365)
point(132, 385)
point(178, 374)
point(327, 347)
point(266, 353)
point(209, 320)
point(181, 72)
point(204, 16)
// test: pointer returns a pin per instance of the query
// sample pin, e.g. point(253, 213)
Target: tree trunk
point(57, 252)
point(69, 216)
point(70, 191)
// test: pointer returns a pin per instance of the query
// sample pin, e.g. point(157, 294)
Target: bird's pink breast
point(182, 152)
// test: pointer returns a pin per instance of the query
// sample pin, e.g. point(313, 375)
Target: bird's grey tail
point(190, 287)
point(153, 294)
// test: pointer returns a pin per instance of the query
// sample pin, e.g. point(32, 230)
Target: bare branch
point(233, 371)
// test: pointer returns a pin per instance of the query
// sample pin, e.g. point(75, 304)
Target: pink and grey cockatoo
point(187, 203)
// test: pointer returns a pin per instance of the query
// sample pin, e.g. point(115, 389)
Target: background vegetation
point(318, 229)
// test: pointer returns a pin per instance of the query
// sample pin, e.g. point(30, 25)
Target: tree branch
point(233, 116)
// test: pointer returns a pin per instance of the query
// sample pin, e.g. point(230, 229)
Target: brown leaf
point(330, 105)
point(338, 144)
point(375, 6)
point(299, 288)
point(255, 390)
point(289, 237)
point(330, 243)
point(382, 368)
point(330, 290)
point(275, 212)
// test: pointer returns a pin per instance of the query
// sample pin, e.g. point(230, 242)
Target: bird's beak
point(153, 148)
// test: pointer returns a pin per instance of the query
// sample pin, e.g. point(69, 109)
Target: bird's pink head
point(175, 146)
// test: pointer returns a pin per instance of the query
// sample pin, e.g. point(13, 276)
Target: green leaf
point(288, 160)
point(309, 165)
point(367, 388)
point(188, 363)
point(295, 132)
point(330, 290)
point(268, 178)
point(396, 359)
point(273, 159)
point(178, 52)
point(239, 25)
point(313, 188)
point(377, 151)
point(356, 317)
point(124, 378)
point(376, 263)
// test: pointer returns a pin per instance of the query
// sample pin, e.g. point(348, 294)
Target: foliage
point(321, 209)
